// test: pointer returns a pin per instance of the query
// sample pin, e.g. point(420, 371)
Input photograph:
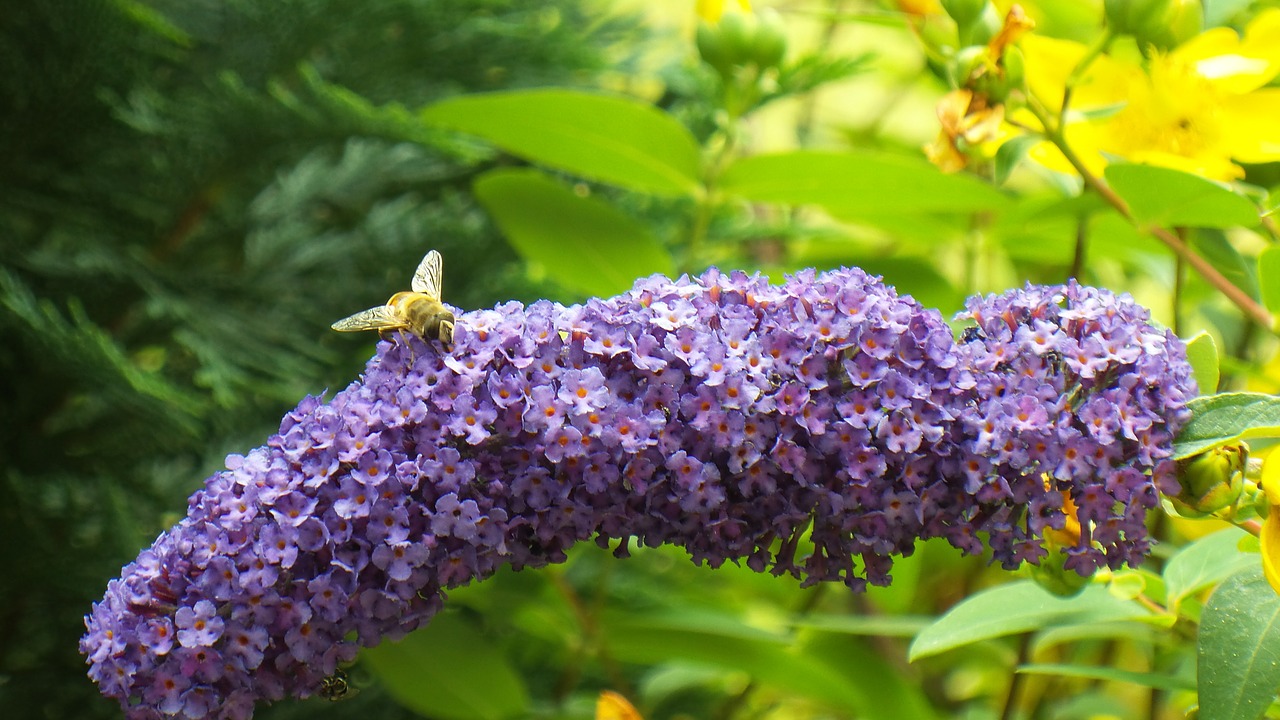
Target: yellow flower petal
point(1254, 135)
point(713, 10)
point(1270, 480)
point(612, 706)
point(1049, 62)
point(1234, 65)
point(1269, 542)
point(1214, 166)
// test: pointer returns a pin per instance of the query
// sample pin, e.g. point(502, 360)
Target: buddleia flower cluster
point(815, 429)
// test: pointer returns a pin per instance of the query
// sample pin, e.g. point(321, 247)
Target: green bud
point(967, 64)
point(1051, 575)
point(711, 48)
point(983, 28)
point(964, 12)
point(1161, 23)
point(1211, 480)
point(770, 44)
point(737, 34)
point(1125, 15)
point(1184, 21)
point(1011, 76)
point(1015, 74)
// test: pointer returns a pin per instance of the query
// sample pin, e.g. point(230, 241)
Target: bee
point(418, 311)
point(336, 687)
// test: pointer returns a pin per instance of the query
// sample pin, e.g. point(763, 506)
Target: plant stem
point(1098, 47)
point(1015, 682)
point(1251, 309)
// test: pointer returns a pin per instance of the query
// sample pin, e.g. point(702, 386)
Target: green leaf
point(893, 694)
point(1213, 244)
point(1226, 418)
point(154, 21)
point(830, 668)
point(1171, 198)
point(1126, 630)
point(724, 641)
point(1238, 653)
point(448, 670)
point(1269, 277)
point(1010, 154)
point(583, 243)
point(1205, 562)
point(878, 625)
point(857, 182)
point(1151, 680)
point(1202, 353)
point(1017, 608)
point(615, 140)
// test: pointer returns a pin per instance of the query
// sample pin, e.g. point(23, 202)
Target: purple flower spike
point(1070, 392)
point(739, 420)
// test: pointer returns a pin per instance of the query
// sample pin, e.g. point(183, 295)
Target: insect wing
point(426, 279)
point(612, 706)
point(382, 317)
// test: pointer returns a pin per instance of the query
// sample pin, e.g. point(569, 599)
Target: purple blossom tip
point(739, 420)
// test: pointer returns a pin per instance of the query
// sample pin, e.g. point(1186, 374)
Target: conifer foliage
point(190, 194)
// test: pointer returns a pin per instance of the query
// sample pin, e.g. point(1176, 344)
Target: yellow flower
point(612, 706)
point(712, 10)
point(1269, 540)
point(1195, 109)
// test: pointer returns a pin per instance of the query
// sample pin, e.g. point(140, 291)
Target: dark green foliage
point(190, 193)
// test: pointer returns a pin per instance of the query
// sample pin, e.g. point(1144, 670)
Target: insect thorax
point(422, 313)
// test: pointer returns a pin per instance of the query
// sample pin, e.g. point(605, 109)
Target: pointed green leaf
point(893, 694)
point(1151, 680)
point(616, 140)
point(1205, 562)
point(825, 667)
point(1213, 244)
point(1238, 652)
point(857, 182)
point(449, 670)
point(1225, 418)
point(1010, 154)
point(1171, 198)
point(1269, 277)
point(724, 641)
point(1018, 608)
point(583, 243)
point(881, 625)
point(1202, 353)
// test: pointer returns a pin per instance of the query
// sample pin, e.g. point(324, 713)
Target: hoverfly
point(418, 310)
point(336, 687)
